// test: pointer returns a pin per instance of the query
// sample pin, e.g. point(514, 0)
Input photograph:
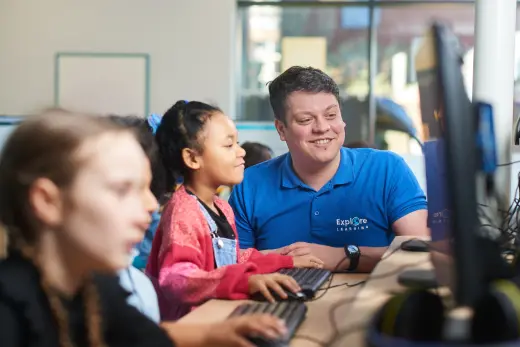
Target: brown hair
point(181, 127)
point(42, 146)
point(47, 146)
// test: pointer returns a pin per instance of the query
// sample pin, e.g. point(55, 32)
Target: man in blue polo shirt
point(342, 205)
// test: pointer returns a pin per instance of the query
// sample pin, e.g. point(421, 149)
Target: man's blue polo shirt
point(370, 191)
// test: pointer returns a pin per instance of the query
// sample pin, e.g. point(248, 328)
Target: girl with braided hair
point(75, 199)
point(195, 254)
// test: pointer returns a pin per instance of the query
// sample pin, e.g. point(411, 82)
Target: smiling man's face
point(314, 129)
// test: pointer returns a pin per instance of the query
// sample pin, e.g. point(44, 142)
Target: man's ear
point(191, 158)
point(280, 127)
point(47, 202)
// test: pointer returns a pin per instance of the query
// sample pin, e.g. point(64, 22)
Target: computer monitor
point(450, 125)
point(7, 126)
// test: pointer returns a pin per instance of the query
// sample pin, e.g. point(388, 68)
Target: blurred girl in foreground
point(75, 200)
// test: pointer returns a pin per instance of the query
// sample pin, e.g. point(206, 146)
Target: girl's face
point(108, 207)
point(222, 161)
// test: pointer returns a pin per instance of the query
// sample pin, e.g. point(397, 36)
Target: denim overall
point(224, 250)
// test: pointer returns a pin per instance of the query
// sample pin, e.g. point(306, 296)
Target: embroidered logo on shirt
point(351, 224)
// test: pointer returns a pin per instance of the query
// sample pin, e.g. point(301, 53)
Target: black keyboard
point(291, 312)
point(310, 280)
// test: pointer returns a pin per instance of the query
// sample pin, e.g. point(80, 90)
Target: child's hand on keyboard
point(235, 332)
point(272, 282)
point(308, 260)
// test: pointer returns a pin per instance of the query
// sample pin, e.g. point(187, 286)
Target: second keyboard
point(291, 312)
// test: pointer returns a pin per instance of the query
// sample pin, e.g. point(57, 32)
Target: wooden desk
point(381, 284)
point(354, 306)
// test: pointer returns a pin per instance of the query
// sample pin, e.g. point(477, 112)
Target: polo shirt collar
point(289, 177)
point(344, 175)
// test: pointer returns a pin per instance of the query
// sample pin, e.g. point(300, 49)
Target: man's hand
point(308, 261)
point(333, 258)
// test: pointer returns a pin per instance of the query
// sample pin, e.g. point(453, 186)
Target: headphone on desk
point(419, 316)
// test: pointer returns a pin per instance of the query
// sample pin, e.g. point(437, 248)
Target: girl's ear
point(47, 202)
point(191, 158)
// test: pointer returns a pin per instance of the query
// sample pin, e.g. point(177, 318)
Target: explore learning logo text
point(351, 224)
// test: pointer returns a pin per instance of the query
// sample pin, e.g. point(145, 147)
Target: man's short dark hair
point(298, 79)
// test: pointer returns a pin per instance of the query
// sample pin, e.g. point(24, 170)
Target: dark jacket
point(27, 320)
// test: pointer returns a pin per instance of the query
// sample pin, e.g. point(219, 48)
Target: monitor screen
point(450, 151)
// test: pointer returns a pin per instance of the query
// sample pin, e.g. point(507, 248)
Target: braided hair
point(46, 146)
point(181, 127)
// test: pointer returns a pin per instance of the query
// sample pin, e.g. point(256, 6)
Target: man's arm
point(406, 202)
point(335, 258)
point(406, 213)
point(413, 224)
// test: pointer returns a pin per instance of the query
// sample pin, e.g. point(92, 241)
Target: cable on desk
point(506, 229)
point(355, 284)
point(309, 338)
point(333, 286)
point(344, 284)
point(329, 282)
point(332, 312)
point(509, 221)
point(339, 334)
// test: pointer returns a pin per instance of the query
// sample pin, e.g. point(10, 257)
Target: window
point(399, 35)
point(336, 38)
